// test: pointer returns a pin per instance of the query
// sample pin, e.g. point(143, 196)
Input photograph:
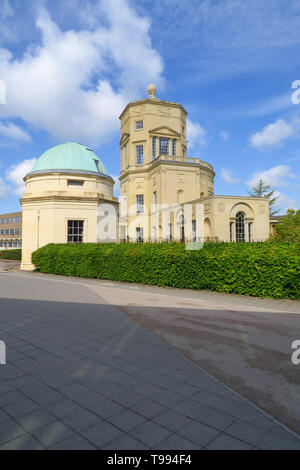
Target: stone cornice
point(153, 101)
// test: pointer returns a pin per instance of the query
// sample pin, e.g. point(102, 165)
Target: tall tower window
point(240, 227)
point(125, 152)
point(153, 148)
point(140, 203)
point(139, 154)
point(163, 146)
point(139, 125)
point(174, 147)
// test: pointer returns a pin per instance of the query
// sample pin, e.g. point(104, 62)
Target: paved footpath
point(81, 374)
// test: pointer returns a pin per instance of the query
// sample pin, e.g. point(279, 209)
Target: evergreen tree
point(262, 189)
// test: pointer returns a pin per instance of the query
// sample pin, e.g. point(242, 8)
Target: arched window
point(240, 227)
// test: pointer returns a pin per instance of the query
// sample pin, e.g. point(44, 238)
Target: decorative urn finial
point(151, 90)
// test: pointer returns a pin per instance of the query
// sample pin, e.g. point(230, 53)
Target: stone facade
point(156, 172)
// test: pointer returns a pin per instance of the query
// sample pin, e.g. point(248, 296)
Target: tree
point(288, 228)
point(262, 189)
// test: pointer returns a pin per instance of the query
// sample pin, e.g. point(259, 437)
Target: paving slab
point(104, 381)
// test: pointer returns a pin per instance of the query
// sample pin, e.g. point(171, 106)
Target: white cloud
point(4, 189)
point(16, 173)
point(13, 132)
point(224, 135)
point(272, 134)
point(227, 176)
point(196, 134)
point(75, 83)
point(276, 177)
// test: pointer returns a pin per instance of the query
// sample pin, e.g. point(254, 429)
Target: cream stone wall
point(49, 202)
point(176, 179)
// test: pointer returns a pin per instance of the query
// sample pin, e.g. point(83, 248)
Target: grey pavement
point(81, 374)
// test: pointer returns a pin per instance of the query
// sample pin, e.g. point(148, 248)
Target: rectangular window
point(170, 232)
point(139, 125)
point(75, 231)
point(140, 203)
point(155, 201)
point(231, 231)
point(139, 154)
point(122, 233)
point(125, 152)
point(139, 234)
point(153, 148)
point(163, 146)
point(183, 130)
point(174, 147)
point(250, 236)
point(75, 183)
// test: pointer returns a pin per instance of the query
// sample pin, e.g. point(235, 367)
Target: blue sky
point(70, 69)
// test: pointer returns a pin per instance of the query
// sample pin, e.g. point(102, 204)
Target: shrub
point(264, 269)
point(11, 254)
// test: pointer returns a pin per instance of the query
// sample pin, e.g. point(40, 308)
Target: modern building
point(165, 195)
point(11, 231)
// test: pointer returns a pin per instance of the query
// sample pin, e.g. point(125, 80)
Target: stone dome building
point(62, 196)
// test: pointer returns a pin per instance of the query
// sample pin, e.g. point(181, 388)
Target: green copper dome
point(69, 156)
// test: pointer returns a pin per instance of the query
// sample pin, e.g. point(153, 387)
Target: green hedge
point(260, 269)
point(11, 254)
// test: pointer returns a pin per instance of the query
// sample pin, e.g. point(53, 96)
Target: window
point(174, 147)
point(240, 227)
point(139, 125)
point(125, 152)
point(75, 183)
point(183, 130)
point(139, 154)
point(155, 201)
point(231, 231)
point(139, 234)
point(163, 146)
point(250, 227)
point(153, 148)
point(140, 203)
point(170, 232)
point(75, 231)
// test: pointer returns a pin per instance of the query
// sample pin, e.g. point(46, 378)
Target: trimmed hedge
point(264, 269)
point(11, 254)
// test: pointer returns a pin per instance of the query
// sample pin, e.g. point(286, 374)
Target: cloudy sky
point(70, 67)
